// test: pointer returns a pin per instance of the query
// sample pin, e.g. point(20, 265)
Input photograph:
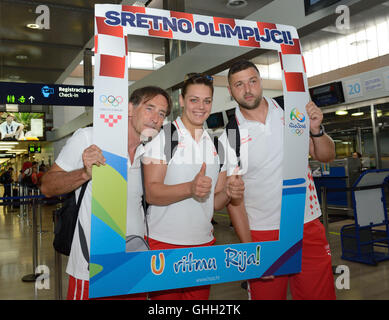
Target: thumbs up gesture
point(235, 185)
point(201, 185)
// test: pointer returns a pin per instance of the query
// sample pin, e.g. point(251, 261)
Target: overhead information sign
point(45, 94)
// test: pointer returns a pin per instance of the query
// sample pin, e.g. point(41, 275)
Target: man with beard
point(257, 217)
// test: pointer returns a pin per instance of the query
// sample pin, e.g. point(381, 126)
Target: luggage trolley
point(367, 239)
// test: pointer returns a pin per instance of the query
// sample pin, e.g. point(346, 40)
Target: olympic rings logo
point(297, 132)
point(111, 100)
point(297, 115)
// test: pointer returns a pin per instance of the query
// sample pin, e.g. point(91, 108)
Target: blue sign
point(45, 94)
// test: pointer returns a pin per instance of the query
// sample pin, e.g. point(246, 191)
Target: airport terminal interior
point(46, 94)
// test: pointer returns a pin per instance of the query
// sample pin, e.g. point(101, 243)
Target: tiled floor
point(366, 282)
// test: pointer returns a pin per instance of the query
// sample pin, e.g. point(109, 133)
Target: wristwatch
point(321, 132)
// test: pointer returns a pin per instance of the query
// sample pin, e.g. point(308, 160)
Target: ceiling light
point(33, 26)
point(341, 112)
point(17, 151)
point(21, 57)
point(14, 77)
point(235, 4)
point(357, 114)
point(8, 143)
point(160, 58)
point(379, 113)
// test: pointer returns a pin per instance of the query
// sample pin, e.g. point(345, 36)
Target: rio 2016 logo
point(154, 269)
point(297, 115)
point(297, 128)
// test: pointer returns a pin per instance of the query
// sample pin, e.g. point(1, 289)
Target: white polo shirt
point(70, 159)
point(261, 158)
point(187, 222)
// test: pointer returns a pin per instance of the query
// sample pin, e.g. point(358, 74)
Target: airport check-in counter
point(340, 173)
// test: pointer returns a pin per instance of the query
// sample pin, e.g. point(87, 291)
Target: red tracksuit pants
point(315, 282)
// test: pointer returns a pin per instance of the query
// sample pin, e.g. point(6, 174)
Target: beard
point(249, 105)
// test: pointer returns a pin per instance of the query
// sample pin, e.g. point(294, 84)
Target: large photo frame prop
point(113, 271)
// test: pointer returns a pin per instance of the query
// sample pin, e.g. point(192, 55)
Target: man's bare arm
point(320, 148)
point(58, 181)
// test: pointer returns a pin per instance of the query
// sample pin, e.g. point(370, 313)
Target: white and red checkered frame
point(111, 78)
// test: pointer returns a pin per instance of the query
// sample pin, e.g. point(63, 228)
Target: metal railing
point(30, 199)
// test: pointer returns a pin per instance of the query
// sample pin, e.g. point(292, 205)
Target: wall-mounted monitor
point(312, 6)
point(22, 126)
point(328, 94)
point(215, 120)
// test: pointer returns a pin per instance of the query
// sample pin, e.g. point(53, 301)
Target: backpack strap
point(277, 104)
point(144, 203)
point(220, 151)
point(81, 195)
point(81, 233)
point(233, 136)
point(171, 140)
